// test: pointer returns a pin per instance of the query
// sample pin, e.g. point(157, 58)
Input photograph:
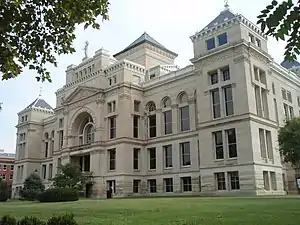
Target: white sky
point(170, 22)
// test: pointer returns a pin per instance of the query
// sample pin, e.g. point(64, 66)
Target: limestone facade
point(143, 126)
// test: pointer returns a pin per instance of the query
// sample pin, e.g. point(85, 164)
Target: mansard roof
point(289, 65)
point(224, 16)
point(145, 38)
point(39, 104)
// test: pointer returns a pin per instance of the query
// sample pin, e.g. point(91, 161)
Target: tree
point(33, 186)
point(289, 141)
point(3, 191)
point(282, 21)
point(69, 176)
point(32, 32)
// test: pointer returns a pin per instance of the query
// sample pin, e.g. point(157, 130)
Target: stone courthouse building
point(144, 126)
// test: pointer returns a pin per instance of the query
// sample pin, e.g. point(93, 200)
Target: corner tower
point(148, 52)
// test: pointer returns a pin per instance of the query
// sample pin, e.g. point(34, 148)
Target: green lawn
point(210, 211)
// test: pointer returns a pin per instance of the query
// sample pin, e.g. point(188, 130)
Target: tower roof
point(145, 38)
point(289, 65)
point(39, 104)
point(225, 15)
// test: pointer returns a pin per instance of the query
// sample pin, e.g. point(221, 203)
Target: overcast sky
point(170, 22)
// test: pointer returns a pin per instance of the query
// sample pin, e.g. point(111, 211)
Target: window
point(50, 170)
point(222, 39)
point(231, 140)
point(262, 141)
point(273, 180)
point(61, 123)
point(152, 126)
point(286, 111)
point(266, 180)
point(112, 159)
point(216, 103)
point(276, 110)
point(220, 180)
point(186, 183)
point(26, 117)
point(112, 127)
point(269, 144)
point(44, 171)
point(111, 185)
point(152, 76)
point(110, 81)
point(168, 183)
point(11, 167)
point(184, 118)
point(111, 106)
point(11, 176)
point(46, 149)
point(136, 157)
point(185, 154)
point(226, 74)
point(273, 88)
point(152, 185)
point(3, 176)
point(136, 106)
point(291, 110)
point(115, 79)
point(228, 101)
point(4, 167)
point(214, 78)
point(218, 145)
point(289, 96)
point(168, 121)
point(210, 44)
point(168, 156)
point(283, 93)
point(257, 42)
point(136, 186)
point(22, 118)
point(234, 180)
point(135, 126)
point(152, 158)
point(61, 138)
point(251, 38)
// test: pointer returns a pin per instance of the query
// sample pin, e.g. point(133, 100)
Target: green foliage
point(69, 176)
point(59, 195)
point(67, 219)
point(289, 141)
point(32, 188)
point(33, 32)
point(3, 191)
point(282, 21)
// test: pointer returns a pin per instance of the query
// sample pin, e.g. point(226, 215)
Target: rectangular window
point(184, 118)
point(4, 167)
point(110, 81)
point(135, 126)
point(112, 159)
point(112, 127)
point(220, 181)
point(115, 79)
point(251, 38)
point(276, 110)
point(152, 185)
point(225, 73)
point(152, 158)
point(11, 176)
point(216, 103)
point(168, 122)
point(136, 106)
point(234, 180)
point(168, 183)
point(3, 176)
point(298, 101)
point(228, 101)
point(257, 42)
point(44, 171)
point(111, 106)
point(136, 157)
point(289, 96)
point(262, 141)
point(186, 183)
point(231, 140)
point(185, 154)
point(273, 88)
point(259, 109)
point(214, 78)
point(61, 138)
point(210, 44)
point(264, 98)
point(152, 126)
point(266, 180)
point(50, 171)
point(11, 167)
point(283, 93)
point(222, 39)
point(269, 144)
point(273, 181)
point(218, 141)
point(61, 123)
point(286, 111)
point(136, 186)
point(168, 156)
point(46, 149)
point(291, 110)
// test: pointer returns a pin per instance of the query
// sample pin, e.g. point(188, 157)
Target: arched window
point(46, 136)
point(183, 98)
point(151, 119)
point(166, 102)
point(151, 106)
point(167, 115)
point(184, 112)
point(89, 134)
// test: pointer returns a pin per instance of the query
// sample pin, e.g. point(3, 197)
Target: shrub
point(3, 191)
point(31, 221)
point(59, 195)
point(8, 220)
point(67, 219)
point(33, 187)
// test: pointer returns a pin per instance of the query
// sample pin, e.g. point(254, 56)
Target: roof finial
point(226, 5)
point(86, 46)
point(41, 90)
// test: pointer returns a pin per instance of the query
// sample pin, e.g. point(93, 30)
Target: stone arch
point(150, 106)
point(182, 98)
point(80, 111)
point(166, 102)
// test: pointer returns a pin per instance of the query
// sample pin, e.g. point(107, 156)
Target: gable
point(82, 92)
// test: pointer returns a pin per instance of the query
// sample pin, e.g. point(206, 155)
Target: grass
point(209, 211)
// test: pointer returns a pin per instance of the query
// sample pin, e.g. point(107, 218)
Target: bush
point(59, 195)
point(3, 191)
point(31, 221)
point(67, 219)
point(33, 187)
point(8, 220)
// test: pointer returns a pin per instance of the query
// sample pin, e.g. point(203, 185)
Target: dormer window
point(210, 44)
point(152, 76)
point(226, 19)
point(251, 38)
point(222, 39)
point(257, 42)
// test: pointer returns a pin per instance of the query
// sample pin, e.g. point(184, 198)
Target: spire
point(226, 5)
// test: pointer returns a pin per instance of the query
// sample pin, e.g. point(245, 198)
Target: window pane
point(210, 44)
point(168, 121)
point(184, 118)
point(222, 39)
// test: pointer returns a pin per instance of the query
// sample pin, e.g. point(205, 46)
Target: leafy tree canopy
point(33, 186)
point(282, 22)
point(33, 31)
point(289, 141)
point(69, 176)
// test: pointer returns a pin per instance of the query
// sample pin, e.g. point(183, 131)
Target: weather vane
point(86, 49)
